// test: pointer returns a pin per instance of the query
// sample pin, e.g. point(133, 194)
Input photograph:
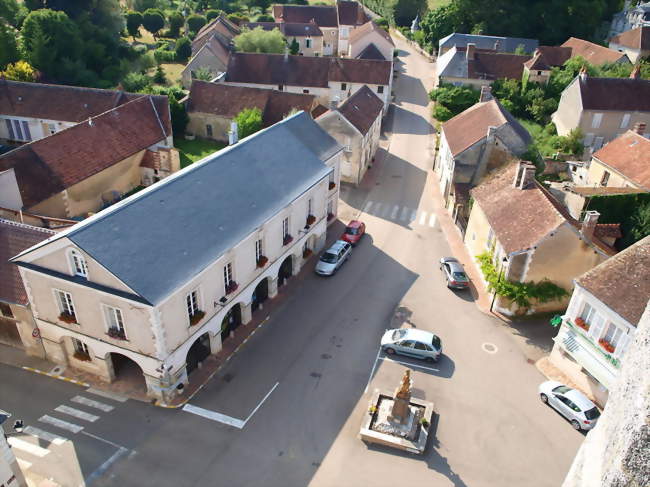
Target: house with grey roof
point(496, 43)
point(160, 279)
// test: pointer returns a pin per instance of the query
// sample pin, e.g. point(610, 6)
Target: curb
point(56, 376)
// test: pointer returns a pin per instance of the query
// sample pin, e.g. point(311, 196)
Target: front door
point(230, 322)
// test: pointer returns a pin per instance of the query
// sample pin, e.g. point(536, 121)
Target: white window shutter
point(623, 343)
point(596, 329)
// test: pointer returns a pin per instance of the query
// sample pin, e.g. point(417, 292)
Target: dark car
point(454, 273)
point(354, 232)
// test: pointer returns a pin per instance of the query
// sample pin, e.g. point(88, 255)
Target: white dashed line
point(414, 214)
point(107, 395)
point(378, 208)
point(405, 213)
point(93, 404)
point(91, 418)
point(432, 220)
point(423, 218)
point(45, 435)
point(75, 428)
point(394, 212)
point(368, 206)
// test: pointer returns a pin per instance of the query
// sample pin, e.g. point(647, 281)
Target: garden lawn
point(194, 150)
point(434, 4)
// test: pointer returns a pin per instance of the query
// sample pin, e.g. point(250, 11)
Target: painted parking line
point(414, 214)
point(378, 208)
point(409, 364)
point(91, 418)
point(92, 403)
point(59, 423)
point(27, 447)
point(405, 213)
point(432, 220)
point(394, 212)
point(374, 365)
point(423, 217)
point(366, 209)
point(101, 470)
point(45, 435)
point(107, 395)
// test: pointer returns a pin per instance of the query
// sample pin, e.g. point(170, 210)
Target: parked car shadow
point(443, 368)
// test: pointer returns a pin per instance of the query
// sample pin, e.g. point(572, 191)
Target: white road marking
point(24, 464)
point(104, 466)
point(91, 418)
point(387, 359)
point(261, 402)
point(27, 447)
point(102, 439)
point(107, 395)
point(93, 404)
point(394, 212)
point(405, 213)
point(372, 371)
point(366, 209)
point(45, 435)
point(423, 217)
point(378, 208)
point(75, 428)
point(432, 220)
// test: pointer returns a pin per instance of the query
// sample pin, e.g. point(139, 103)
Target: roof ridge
point(26, 226)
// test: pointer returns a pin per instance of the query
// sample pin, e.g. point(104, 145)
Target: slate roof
point(351, 13)
point(220, 28)
point(618, 94)
point(638, 38)
point(629, 155)
point(67, 103)
point(160, 238)
point(228, 101)
point(322, 15)
point(276, 69)
point(371, 52)
point(622, 282)
point(505, 44)
point(547, 57)
point(593, 53)
point(469, 127)
point(47, 166)
point(289, 29)
point(14, 238)
point(368, 27)
point(362, 109)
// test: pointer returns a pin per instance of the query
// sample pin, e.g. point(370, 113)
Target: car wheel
point(575, 424)
point(544, 398)
point(430, 360)
point(390, 351)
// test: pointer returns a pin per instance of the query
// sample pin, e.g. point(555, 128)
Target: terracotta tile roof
point(351, 13)
point(628, 155)
point(221, 25)
point(547, 57)
point(371, 52)
point(603, 190)
point(362, 109)
point(65, 103)
point(368, 27)
point(638, 38)
point(14, 238)
point(318, 111)
point(228, 101)
point(322, 15)
point(471, 126)
point(620, 94)
point(294, 29)
point(622, 282)
point(593, 53)
point(494, 65)
point(276, 69)
point(47, 166)
point(608, 230)
point(150, 160)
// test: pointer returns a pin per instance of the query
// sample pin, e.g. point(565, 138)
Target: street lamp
point(501, 269)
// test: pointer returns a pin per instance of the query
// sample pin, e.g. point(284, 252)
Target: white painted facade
point(37, 128)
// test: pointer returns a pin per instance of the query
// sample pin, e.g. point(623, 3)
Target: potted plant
point(196, 317)
point(231, 287)
point(306, 253)
point(116, 333)
point(261, 262)
point(287, 239)
point(582, 323)
point(372, 410)
point(81, 356)
point(310, 220)
point(330, 216)
point(67, 317)
point(606, 345)
point(332, 185)
point(424, 422)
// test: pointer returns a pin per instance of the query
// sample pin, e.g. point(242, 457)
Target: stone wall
point(616, 453)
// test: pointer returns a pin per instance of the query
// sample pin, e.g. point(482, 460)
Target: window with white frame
point(596, 120)
point(18, 130)
point(307, 43)
point(192, 301)
point(380, 89)
point(625, 121)
point(613, 334)
point(79, 266)
point(80, 347)
point(64, 300)
point(587, 313)
point(491, 240)
point(227, 274)
point(259, 249)
point(285, 227)
point(114, 319)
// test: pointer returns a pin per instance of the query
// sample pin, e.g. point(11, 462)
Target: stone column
point(273, 287)
point(319, 243)
point(297, 264)
point(215, 343)
point(246, 313)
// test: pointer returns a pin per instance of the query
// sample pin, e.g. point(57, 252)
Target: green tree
point(195, 22)
point(294, 47)
point(19, 71)
point(133, 23)
point(441, 22)
point(183, 49)
point(8, 45)
point(406, 10)
point(160, 77)
point(237, 18)
point(34, 4)
point(135, 82)
point(265, 18)
point(454, 98)
point(641, 222)
point(260, 40)
point(153, 20)
point(203, 74)
point(176, 22)
point(249, 121)
point(382, 22)
point(9, 10)
point(212, 14)
point(142, 5)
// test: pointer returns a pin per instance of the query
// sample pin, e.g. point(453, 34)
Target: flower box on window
point(196, 317)
point(582, 324)
point(311, 219)
point(231, 287)
point(116, 333)
point(262, 261)
point(81, 356)
point(67, 317)
point(330, 216)
point(287, 239)
point(306, 253)
point(606, 345)
point(332, 185)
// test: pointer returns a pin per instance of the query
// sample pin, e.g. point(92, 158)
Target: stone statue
point(404, 389)
point(402, 397)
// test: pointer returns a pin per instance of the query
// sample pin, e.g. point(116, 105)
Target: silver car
point(573, 405)
point(333, 258)
point(413, 343)
point(454, 273)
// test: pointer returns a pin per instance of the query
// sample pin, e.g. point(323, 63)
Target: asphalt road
point(299, 385)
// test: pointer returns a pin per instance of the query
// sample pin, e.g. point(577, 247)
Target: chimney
point(233, 135)
point(469, 54)
point(639, 128)
point(588, 226)
point(486, 94)
point(583, 73)
point(525, 175)
point(636, 72)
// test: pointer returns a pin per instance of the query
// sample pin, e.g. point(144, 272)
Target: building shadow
point(409, 122)
point(435, 461)
point(411, 90)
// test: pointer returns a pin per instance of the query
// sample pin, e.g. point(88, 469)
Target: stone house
point(545, 58)
point(148, 285)
point(371, 42)
point(356, 125)
point(89, 165)
point(634, 43)
point(601, 319)
point(211, 107)
point(530, 235)
point(332, 80)
point(602, 108)
point(491, 43)
point(631, 17)
point(308, 35)
point(472, 144)
point(593, 53)
point(477, 67)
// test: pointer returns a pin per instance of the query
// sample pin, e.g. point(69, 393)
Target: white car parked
point(573, 405)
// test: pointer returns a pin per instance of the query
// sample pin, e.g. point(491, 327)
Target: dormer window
point(78, 263)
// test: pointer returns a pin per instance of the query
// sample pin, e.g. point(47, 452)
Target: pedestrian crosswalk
point(402, 214)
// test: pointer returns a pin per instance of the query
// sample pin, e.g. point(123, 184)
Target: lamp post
point(501, 269)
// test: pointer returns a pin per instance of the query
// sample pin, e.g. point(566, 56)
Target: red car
point(354, 232)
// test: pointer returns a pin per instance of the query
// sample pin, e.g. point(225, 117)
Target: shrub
point(164, 56)
point(183, 49)
point(160, 77)
point(133, 23)
point(212, 14)
point(264, 18)
point(195, 22)
point(238, 18)
point(442, 113)
point(175, 21)
point(196, 317)
point(153, 20)
point(135, 82)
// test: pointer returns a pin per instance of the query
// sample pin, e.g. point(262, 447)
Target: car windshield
point(397, 334)
point(435, 341)
point(352, 231)
point(592, 413)
point(329, 257)
point(459, 276)
point(562, 389)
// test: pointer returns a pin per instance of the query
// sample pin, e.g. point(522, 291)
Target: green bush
point(212, 14)
point(176, 22)
point(183, 49)
point(164, 56)
point(248, 121)
point(632, 211)
point(134, 82)
point(454, 99)
point(195, 22)
point(441, 113)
